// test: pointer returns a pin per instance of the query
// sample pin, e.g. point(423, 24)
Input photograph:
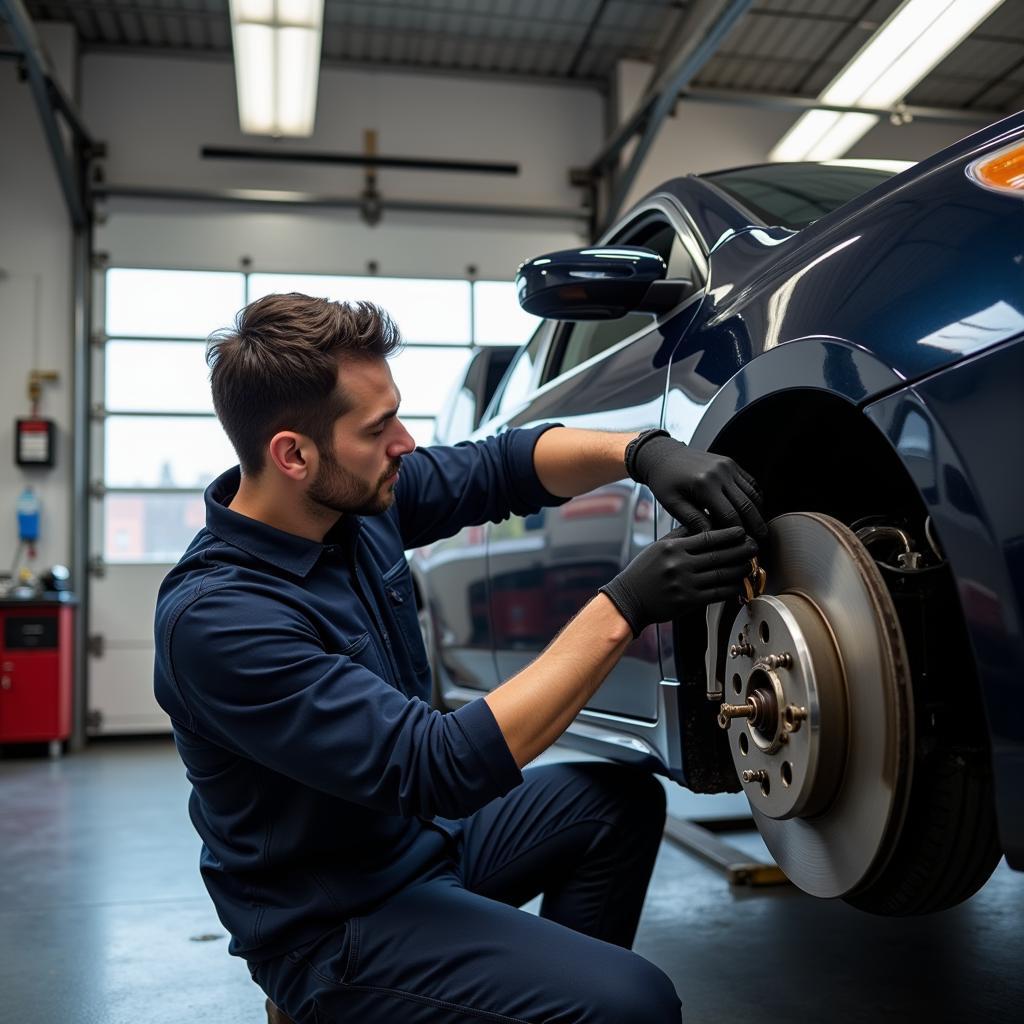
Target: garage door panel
point(121, 693)
point(123, 603)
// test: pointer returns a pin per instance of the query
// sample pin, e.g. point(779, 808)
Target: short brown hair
point(277, 369)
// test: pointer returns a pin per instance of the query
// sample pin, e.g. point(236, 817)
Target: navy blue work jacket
point(297, 683)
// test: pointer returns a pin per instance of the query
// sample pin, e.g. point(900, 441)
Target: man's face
point(359, 472)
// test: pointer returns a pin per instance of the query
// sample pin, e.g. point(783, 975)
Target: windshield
point(794, 195)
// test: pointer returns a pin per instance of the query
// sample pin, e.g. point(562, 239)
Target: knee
point(637, 992)
point(651, 794)
point(641, 797)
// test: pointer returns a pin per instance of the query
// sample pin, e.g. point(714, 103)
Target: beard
point(339, 490)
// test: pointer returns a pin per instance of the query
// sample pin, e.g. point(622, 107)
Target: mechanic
point(366, 852)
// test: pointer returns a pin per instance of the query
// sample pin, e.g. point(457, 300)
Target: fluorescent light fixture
point(277, 63)
point(917, 36)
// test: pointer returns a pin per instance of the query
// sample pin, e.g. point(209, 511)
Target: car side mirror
point(597, 283)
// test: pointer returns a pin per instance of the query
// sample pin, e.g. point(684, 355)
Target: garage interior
point(453, 140)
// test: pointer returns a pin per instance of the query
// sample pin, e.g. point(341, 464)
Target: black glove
point(679, 573)
point(687, 481)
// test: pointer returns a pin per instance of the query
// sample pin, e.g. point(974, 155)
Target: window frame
point(100, 488)
point(671, 210)
point(644, 225)
point(491, 413)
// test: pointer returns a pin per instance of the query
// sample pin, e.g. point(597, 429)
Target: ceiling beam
point(301, 200)
point(782, 101)
point(829, 51)
point(408, 163)
point(660, 99)
point(585, 41)
point(689, 27)
point(50, 99)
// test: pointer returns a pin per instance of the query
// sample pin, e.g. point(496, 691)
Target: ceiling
point(791, 47)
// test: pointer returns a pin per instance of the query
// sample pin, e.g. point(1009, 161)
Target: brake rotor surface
point(822, 668)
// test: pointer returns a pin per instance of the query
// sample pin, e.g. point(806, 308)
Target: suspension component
point(754, 583)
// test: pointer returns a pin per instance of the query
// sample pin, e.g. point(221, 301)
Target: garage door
point(157, 443)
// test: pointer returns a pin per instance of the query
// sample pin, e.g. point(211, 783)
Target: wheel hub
point(795, 726)
point(818, 712)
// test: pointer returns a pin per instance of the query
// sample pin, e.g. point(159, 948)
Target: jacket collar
point(287, 551)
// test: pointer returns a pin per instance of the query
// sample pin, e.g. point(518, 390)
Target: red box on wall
point(36, 639)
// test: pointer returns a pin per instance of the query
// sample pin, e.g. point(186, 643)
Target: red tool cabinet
point(36, 640)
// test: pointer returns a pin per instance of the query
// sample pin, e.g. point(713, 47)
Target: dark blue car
point(853, 338)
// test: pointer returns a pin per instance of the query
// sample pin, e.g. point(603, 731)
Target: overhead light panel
point(277, 64)
point(917, 36)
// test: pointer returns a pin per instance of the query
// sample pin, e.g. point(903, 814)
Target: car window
point(588, 338)
point(665, 240)
point(462, 419)
point(584, 339)
point(516, 384)
point(795, 195)
point(497, 365)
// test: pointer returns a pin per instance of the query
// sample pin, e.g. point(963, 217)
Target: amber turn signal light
point(1002, 171)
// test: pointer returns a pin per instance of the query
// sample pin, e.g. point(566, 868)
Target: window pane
point(520, 376)
point(171, 303)
point(794, 195)
point(150, 527)
point(590, 337)
point(424, 309)
point(665, 240)
point(461, 418)
point(165, 451)
point(157, 376)
point(425, 377)
point(498, 317)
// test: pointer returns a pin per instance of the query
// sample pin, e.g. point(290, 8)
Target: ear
point(293, 455)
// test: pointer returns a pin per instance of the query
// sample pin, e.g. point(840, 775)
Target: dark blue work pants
point(454, 948)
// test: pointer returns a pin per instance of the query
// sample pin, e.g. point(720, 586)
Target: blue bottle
point(28, 516)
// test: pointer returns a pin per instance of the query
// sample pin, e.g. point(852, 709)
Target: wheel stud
point(792, 716)
point(755, 775)
point(742, 649)
point(779, 661)
point(727, 712)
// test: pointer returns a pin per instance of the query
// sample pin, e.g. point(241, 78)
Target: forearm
point(571, 462)
point(535, 707)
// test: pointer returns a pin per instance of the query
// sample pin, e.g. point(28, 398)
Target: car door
point(455, 569)
point(602, 375)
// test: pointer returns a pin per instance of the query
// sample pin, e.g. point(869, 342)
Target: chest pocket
point(402, 600)
point(364, 651)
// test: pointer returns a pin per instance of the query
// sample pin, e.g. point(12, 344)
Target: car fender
point(958, 434)
point(944, 430)
point(826, 364)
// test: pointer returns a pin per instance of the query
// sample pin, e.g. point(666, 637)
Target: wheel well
point(809, 452)
point(813, 452)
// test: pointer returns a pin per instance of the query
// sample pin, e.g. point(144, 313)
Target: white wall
point(156, 113)
point(35, 301)
point(711, 136)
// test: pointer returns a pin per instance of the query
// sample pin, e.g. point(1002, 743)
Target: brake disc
point(819, 706)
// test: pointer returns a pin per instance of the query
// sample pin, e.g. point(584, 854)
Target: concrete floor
point(103, 920)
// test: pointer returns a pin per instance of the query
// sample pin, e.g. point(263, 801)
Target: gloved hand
point(680, 572)
point(687, 481)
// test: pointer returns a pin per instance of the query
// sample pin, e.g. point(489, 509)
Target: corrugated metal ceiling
point(779, 46)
